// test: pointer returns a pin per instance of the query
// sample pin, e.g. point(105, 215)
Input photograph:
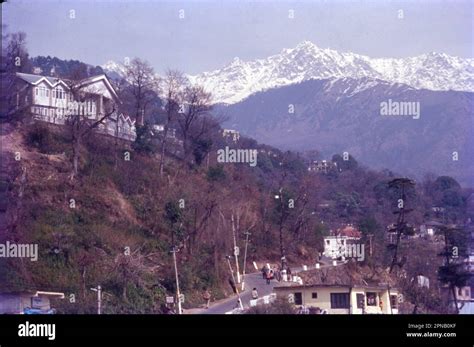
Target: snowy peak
point(114, 69)
point(239, 79)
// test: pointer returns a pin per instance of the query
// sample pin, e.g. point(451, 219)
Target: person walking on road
point(277, 274)
point(265, 270)
point(269, 276)
point(207, 297)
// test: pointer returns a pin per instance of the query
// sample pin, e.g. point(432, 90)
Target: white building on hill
point(49, 99)
point(337, 244)
point(231, 134)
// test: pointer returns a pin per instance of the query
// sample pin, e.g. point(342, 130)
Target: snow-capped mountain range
point(239, 79)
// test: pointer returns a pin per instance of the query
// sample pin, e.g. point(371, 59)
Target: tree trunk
point(163, 148)
point(124, 292)
point(216, 252)
point(162, 158)
point(84, 282)
point(76, 147)
point(453, 291)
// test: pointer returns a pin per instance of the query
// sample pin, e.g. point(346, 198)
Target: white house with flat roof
point(337, 244)
point(342, 290)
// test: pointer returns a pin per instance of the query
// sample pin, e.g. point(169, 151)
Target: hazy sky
point(214, 32)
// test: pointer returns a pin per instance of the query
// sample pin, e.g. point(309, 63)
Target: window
point(298, 299)
point(371, 299)
point(459, 292)
point(314, 295)
point(36, 91)
point(394, 301)
point(360, 300)
point(339, 300)
point(47, 92)
point(327, 242)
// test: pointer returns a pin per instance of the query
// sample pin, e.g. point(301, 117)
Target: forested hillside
point(116, 222)
point(108, 212)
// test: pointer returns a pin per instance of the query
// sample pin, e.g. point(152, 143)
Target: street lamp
point(178, 295)
point(99, 298)
point(282, 248)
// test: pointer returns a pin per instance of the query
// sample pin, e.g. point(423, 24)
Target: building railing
point(123, 133)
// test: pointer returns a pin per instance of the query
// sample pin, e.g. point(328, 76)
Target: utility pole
point(178, 294)
point(247, 234)
point(233, 280)
point(99, 298)
point(370, 243)
point(280, 229)
point(236, 249)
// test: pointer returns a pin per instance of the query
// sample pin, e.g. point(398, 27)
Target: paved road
point(254, 280)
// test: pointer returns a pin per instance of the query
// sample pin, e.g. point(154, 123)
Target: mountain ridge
point(337, 115)
point(240, 79)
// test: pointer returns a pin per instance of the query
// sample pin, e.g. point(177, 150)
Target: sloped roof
point(127, 119)
point(348, 230)
point(36, 79)
point(94, 79)
point(347, 275)
point(54, 81)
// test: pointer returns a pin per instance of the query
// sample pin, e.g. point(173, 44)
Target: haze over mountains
point(343, 115)
point(336, 100)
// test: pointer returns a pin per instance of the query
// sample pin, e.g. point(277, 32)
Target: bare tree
point(173, 86)
point(198, 104)
point(80, 121)
point(140, 75)
point(14, 59)
point(14, 53)
point(129, 268)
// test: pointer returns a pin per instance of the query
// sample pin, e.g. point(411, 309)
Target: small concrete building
point(17, 302)
point(344, 289)
point(323, 166)
point(337, 244)
point(231, 134)
point(465, 297)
